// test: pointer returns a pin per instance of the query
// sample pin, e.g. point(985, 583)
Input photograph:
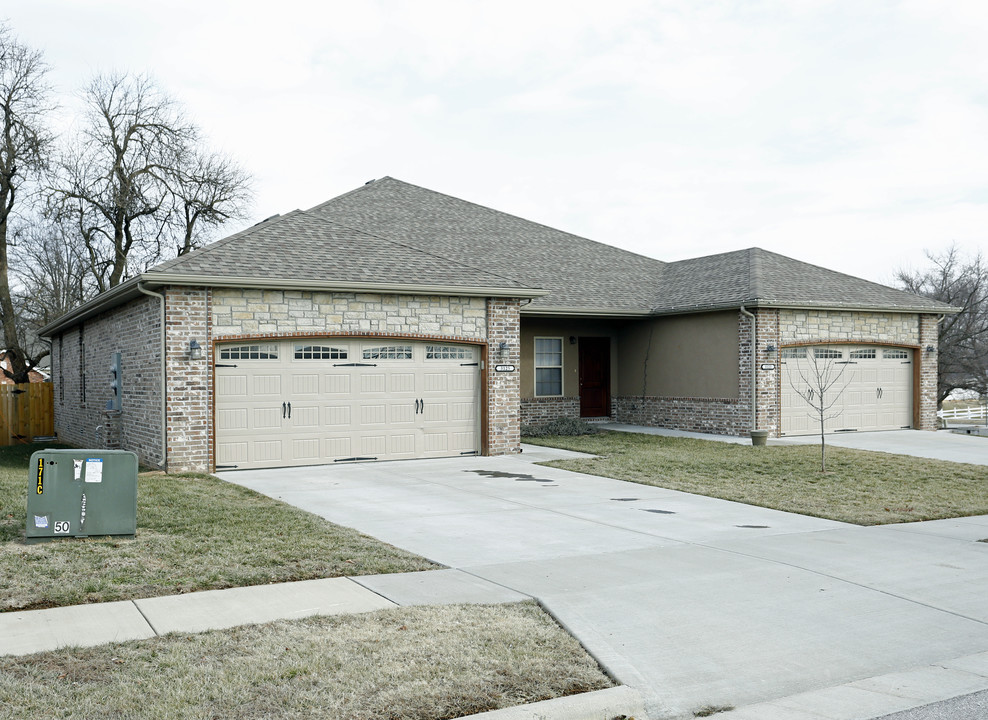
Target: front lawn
point(859, 487)
point(423, 663)
point(194, 532)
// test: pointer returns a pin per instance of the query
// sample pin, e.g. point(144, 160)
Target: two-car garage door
point(313, 401)
point(871, 388)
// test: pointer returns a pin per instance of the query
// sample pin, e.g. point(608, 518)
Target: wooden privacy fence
point(26, 411)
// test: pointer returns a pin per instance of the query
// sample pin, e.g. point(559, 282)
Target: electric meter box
point(81, 493)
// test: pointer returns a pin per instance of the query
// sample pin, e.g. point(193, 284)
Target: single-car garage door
point(313, 401)
point(874, 385)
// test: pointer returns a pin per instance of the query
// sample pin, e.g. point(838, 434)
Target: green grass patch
point(194, 532)
point(423, 663)
point(859, 487)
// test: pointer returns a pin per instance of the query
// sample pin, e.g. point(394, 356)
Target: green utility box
point(79, 493)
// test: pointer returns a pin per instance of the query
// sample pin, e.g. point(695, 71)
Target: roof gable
point(759, 278)
point(579, 273)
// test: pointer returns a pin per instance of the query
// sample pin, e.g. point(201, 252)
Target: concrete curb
point(606, 704)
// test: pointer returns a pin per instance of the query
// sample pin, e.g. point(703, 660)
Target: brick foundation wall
point(503, 388)
point(81, 357)
point(720, 416)
point(537, 410)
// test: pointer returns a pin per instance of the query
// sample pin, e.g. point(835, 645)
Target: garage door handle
point(289, 411)
point(282, 411)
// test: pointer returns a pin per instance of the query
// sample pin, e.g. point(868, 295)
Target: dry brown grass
point(424, 663)
point(194, 532)
point(860, 487)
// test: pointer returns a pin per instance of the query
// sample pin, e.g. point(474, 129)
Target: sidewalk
point(31, 631)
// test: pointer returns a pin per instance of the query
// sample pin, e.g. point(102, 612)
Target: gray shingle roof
point(389, 232)
point(759, 278)
point(580, 273)
point(306, 246)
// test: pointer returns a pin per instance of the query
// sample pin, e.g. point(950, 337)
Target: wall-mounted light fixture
point(195, 350)
point(770, 348)
point(572, 339)
point(502, 350)
point(930, 349)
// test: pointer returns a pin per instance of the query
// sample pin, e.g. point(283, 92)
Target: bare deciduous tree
point(210, 189)
point(962, 362)
point(136, 182)
point(52, 273)
point(820, 384)
point(25, 103)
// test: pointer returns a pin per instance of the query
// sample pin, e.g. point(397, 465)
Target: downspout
point(164, 387)
point(754, 376)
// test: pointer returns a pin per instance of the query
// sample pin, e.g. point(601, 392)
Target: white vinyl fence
point(977, 412)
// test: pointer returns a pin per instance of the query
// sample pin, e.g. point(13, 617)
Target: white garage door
point(314, 401)
point(872, 388)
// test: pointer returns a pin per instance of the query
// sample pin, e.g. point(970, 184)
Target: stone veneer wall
point(237, 313)
point(81, 357)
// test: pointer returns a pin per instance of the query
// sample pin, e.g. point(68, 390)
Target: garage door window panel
point(448, 352)
point(388, 352)
point(320, 352)
point(548, 367)
point(250, 352)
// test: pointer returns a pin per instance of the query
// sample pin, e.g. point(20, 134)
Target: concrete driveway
point(691, 600)
point(941, 445)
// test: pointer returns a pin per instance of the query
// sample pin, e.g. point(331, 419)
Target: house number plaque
point(504, 368)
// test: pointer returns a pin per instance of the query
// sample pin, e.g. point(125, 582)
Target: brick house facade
point(217, 315)
point(661, 344)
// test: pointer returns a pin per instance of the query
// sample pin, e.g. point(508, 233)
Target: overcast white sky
point(848, 134)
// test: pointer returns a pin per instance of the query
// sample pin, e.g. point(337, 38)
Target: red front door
point(595, 377)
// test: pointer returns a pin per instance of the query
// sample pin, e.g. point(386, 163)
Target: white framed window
point(895, 354)
point(794, 353)
point(268, 351)
point(319, 352)
point(827, 354)
point(548, 366)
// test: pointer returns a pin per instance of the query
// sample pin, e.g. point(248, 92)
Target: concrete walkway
point(693, 601)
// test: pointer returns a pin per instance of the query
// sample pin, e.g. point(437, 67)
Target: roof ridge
point(412, 247)
point(486, 209)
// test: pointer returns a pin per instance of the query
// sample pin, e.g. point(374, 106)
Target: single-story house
point(397, 322)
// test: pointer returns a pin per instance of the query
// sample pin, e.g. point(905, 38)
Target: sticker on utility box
point(94, 470)
point(77, 469)
point(41, 521)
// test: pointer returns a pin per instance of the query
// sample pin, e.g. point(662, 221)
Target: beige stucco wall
point(539, 327)
point(690, 356)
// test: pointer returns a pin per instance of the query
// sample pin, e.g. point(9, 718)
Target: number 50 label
point(61, 527)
